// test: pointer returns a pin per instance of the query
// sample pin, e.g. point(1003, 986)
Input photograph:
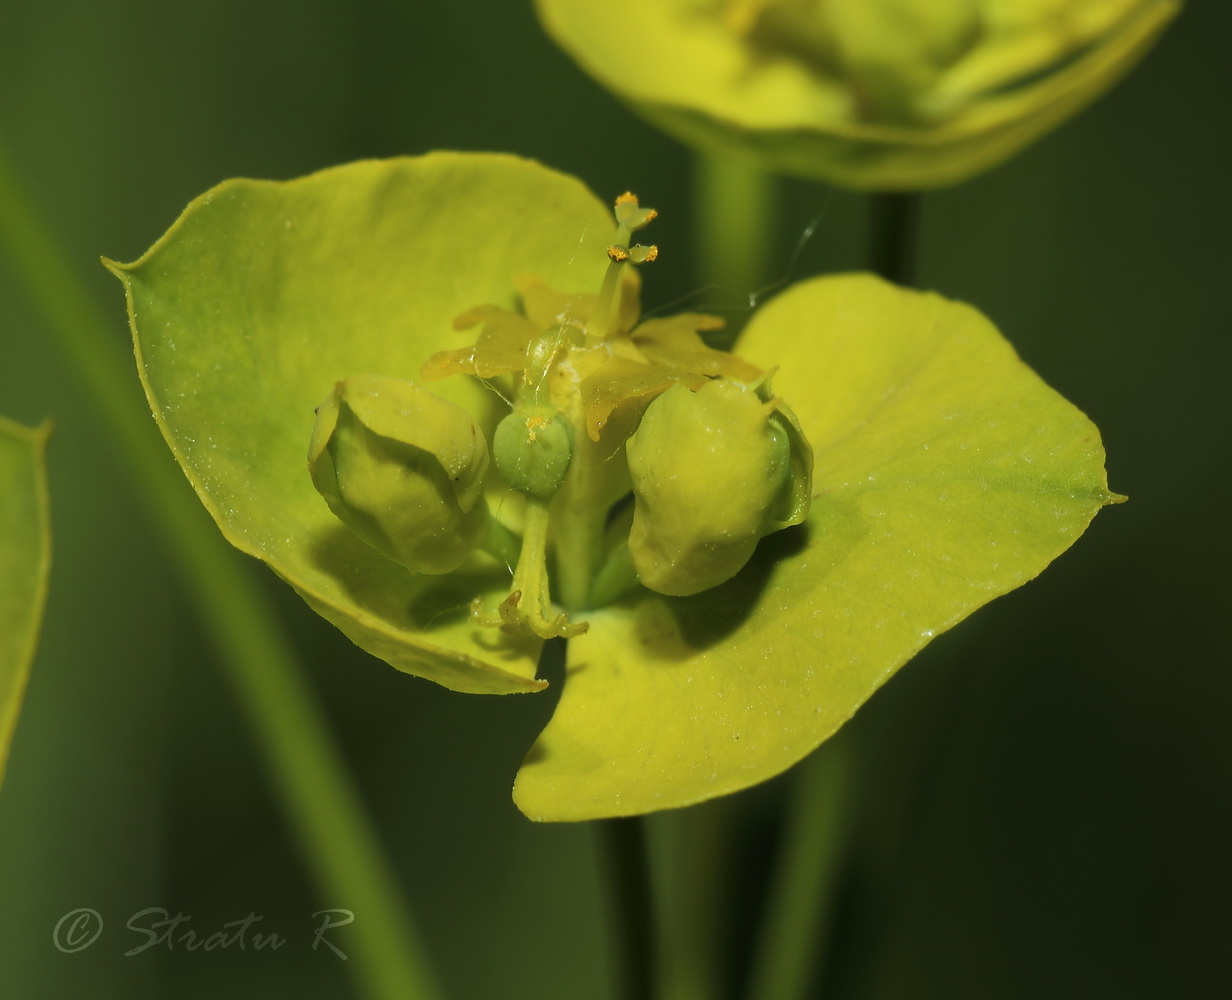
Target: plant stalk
point(695, 847)
point(735, 224)
point(791, 942)
point(624, 843)
point(894, 218)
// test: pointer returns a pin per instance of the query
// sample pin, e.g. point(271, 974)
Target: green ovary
point(532, 447)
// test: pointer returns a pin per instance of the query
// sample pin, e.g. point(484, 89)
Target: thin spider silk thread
point(751, 299)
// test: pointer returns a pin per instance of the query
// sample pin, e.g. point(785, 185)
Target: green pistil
point(532, 448)
point(529, 604)
point(531, 429)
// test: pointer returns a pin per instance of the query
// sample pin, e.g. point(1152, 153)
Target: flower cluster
point(714, 460)
point(574, 472)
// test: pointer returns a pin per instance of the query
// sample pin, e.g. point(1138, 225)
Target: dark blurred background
point(1041, 804)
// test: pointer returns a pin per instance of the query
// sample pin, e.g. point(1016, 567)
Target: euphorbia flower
point(944, 472)
point(872, 94)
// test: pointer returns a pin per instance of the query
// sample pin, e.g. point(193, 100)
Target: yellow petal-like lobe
point(946, 473)
point(264, 294)
point(673, 341)
point(624, 383)
point(500, 348)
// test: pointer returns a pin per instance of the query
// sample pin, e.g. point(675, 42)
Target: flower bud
point(532, 447)
point(403, 469)
point(713, 471)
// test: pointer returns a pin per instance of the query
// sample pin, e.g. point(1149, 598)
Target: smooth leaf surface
point(25, 561)
point(264, 294)
point(946, 473)
point(1035, 66)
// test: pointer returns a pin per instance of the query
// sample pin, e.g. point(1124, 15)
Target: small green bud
point(403, 469)
point(713, 471)
point(532, 447)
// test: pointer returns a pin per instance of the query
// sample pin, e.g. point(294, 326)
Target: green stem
point(893, 222)
point(735, 223)
point(624, 843)
point(615, 578)
point(577, 534)
point(304, 764)
point(529, 604)
point(531, 575)
point(694, 848)
point(792, 937)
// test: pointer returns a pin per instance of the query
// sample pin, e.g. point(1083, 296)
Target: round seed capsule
point(532, 447)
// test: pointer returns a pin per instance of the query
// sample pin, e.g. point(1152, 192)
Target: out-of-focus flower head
point(870, 94)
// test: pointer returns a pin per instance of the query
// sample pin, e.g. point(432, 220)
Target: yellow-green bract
point(946, 472)
point(871, 94)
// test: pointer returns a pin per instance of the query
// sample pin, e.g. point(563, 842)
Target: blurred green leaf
point(25, 561)
point(870, 94)
point(946, 473)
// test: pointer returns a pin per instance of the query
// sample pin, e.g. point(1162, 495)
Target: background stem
point(304, 765)
point(893, 222)
point(697, 894)
point(624, 842)
point(735, 211)
point(793, 935)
